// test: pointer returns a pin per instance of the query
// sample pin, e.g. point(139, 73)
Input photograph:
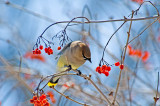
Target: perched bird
point(72, 56)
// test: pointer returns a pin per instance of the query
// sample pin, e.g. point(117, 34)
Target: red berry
point(121, 66)
point(38, 102)
point(43, 96)
point(145, 56)
point(53, 100)
point(39, 52)
point(50, 51)
point(31, 101)
point(44, 101)
point(35, 98)
point(104, 67)
point(98, 69)
point(117, 64)
point(46, 50)
point(34, 52)
point(59, 48)
point(106, 73)
point(40, 47)
point(138, 53)
point(108, 68)
point(47, 104)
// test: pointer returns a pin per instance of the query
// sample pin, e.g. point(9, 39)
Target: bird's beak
point(89, 59)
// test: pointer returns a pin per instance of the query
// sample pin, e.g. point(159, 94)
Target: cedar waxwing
point(72, 56)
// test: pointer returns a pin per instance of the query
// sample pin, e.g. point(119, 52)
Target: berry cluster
point(121, 66)
point(41, 101)
point(38, 50)
point(47, 50)
point(33, 56)
point(138, 53)
point(105, 69)
point(138, 1)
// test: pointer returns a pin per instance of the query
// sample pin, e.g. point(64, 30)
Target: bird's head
point(86, 54)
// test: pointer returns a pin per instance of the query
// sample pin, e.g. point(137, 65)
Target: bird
point(72, 56)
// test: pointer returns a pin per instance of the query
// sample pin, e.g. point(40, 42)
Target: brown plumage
point(74, 54)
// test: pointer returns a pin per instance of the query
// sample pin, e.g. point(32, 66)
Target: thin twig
point(12, 71)
point(91, 81)
point(69, 97)
point(155, 98)
point(130, 90)
point(123, 60)
point(144, 29)
point(109, 41)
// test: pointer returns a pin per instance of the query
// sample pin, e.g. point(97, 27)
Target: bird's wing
point(62, 51)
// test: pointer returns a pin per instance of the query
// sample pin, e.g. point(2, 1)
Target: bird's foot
point(69, 67)
point(79, 72)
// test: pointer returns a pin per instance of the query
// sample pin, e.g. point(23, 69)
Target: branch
point(123, 60)
point(50, 20)
point(91, 81)
point(67, 97)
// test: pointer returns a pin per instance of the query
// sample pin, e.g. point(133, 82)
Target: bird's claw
point(79, 72)
point(69, 67)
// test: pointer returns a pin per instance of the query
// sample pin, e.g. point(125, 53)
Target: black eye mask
point(85, 58)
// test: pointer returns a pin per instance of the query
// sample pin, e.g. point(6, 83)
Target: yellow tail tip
point(52, 84)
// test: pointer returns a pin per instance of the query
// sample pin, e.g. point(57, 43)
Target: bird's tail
point(53, 81)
